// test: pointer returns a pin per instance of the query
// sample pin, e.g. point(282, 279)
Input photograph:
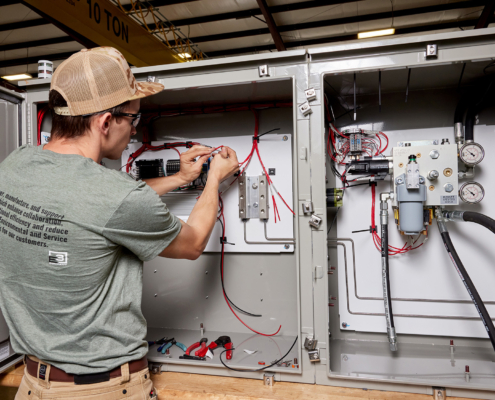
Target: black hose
point(384, 251)
point(478, 218)
point(469, 124)
point(468, 283)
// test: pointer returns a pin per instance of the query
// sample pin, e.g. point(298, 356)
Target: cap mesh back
point(72, 83)
point(112, 84)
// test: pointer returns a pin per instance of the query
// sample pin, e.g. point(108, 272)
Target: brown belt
point(57, 375)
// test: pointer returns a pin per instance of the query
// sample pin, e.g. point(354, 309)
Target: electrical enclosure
point(326, 287)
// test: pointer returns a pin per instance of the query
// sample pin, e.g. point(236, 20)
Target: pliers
point(169, 343)
point(201, 344)
point(223, 341)
point(159, 342)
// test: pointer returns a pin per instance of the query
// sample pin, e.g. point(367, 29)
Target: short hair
point(70, 127)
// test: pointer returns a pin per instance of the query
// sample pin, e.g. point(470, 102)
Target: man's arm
point(195, 233)
point(190, 169)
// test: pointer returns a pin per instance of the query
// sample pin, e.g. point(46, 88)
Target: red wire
point(224, 295)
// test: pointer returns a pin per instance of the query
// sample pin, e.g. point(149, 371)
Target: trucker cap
point(94, 80)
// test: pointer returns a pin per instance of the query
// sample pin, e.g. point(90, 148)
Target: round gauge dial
point(471, 153)
point(471, 192)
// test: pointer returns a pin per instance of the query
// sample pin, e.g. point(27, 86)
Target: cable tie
point(256, 138)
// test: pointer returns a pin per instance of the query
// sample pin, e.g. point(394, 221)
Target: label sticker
point(57, 258)
point(450, 199)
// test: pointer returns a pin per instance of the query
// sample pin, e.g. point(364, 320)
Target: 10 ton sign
point(113, 23)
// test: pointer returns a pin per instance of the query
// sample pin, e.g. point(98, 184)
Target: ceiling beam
point(332, 39)
point(34, 60)
point(157, 3)
point(272, 26)
point(341, 21)
point(36, 43)
point(257, 11)
point(486, 15)
point(9, 2)
point(23, 24)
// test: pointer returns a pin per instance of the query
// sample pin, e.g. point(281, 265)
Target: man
point(74, 235)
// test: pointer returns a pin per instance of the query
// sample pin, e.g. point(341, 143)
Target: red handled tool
point(223, 341)
point(201, 343)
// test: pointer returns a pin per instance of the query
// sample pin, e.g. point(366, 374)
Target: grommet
point(124, 391)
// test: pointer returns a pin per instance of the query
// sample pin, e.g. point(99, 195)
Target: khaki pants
point(136, 386)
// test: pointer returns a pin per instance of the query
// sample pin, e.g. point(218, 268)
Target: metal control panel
point(437, 169)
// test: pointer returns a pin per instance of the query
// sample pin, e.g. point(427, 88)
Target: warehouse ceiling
point(220, 28)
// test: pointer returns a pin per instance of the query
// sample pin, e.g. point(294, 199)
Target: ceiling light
point(382, 32)
point(184, 55)
point(17, 77)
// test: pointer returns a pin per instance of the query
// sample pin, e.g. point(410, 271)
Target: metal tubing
point(339, 242)
point(287, 240)
point(248, 242)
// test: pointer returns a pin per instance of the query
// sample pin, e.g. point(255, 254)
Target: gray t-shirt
point(73, 238)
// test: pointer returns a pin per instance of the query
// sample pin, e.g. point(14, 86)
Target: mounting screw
point(345, 358)
point(344, 325)
point(286, 247)
point(255, 186)
point(206, 297)
point(156, 294)
point(399, 181)
point(155, 271)
point(255, 205)
point(448, 187)
point(434, 154)
point(285, 138)
point(206, 272)
point(421, 180)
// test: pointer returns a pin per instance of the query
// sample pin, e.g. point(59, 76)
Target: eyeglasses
point(135, 118)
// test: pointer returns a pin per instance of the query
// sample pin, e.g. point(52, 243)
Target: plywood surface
point(195, 387)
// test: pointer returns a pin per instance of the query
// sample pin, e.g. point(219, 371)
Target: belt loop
point(43, 375)
point(124, 368)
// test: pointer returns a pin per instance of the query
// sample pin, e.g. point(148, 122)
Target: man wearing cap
point(74, 235)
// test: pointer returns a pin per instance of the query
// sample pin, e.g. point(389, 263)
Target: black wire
point(221, 275)
point(334, 219)
point(276, 129)
point(259, 369)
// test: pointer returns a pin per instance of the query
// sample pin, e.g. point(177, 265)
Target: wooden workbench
point(206, 387)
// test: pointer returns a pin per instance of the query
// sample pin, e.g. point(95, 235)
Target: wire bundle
point(41, 115)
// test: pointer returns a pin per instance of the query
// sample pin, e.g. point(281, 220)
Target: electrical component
point(173, 167)
point(334, 197)
point(379, 167)
point(147, 169)
point(356, 145)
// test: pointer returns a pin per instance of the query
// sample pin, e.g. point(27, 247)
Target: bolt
point(206, 272)
point(155, 271)
point(156, 294)
point(399, 181)
point(421, 180)
point(255, 186)
point(434, 154)
point(286, 247)
point(432, 175)
point(344, 325)
point(448, 187)
point(285, 138)
point(206, 297)
point(345, 358)
point(255, 205)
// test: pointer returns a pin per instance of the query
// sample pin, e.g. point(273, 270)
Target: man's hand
point(224, 164)
point(190, 169)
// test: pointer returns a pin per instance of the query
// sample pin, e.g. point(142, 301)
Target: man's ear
point(102, 122)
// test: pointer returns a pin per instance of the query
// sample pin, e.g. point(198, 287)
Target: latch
point(318, 272)
point(310, 343)
point(315, 221)
point(314, 355)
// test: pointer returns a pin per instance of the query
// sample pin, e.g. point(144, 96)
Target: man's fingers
point(197, 151)
point(201, 160)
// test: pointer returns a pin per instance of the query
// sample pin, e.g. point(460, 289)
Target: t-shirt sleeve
point(142, 223)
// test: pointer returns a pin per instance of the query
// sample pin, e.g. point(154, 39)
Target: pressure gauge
point(472, 154)
point(471, 192)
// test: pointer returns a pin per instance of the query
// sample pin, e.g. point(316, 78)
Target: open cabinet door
point(10, 139)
